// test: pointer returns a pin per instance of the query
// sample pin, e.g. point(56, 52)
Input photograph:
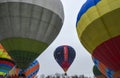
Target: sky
point(68, 36)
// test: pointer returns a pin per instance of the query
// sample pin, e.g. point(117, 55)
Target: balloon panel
point(91, 37)
point(92, 22)
point(64, 55)
point(99, 31)
point(96, 71)
point(14, 72)
point(23, 50)
point(5, 66)
point(88, 4)
point(6, 62)
point(109, 53)
point(29, 72)
point(3, 53)
point(105, 70)
point(32, 70)
point(19, 19)
point(27, 29)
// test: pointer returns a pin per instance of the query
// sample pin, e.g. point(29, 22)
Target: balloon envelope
point(98, 28)
point(64, 55)
point(97, 72)
point(32, 70)
point(27, 27)
point(6, 62)
point(29, 72)
point(14, 72)
point(109, 73)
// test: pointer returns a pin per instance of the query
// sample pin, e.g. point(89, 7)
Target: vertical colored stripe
point(65, 53)
point(109, 53)
point(96, 62)
point(105, 70)
point(102, 68)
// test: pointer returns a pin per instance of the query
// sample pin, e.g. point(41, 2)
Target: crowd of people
point(58, 75)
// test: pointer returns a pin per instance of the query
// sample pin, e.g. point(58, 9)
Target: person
point(21, 76)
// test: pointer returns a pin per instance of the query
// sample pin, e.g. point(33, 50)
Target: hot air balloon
point(109, 73)
point(97, 73)
point(64, 55)
point(27, 27)
point(29, 72)
point(32, 70)
point(6, 62)
point(98, 29)
point(14, 73)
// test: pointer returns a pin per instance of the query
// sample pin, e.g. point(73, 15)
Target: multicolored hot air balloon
point(64, 55)
point(97, 73)
point(14, 73)
point(6, 62)
point(27, 27)
point(30, 72)
point(98, 27)
point(105, 70)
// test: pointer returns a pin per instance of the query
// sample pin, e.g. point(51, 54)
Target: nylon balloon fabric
point(64, 55)
point(97, 72)
point(3, 53)
point(98, 29)
point(6, 62)
point(14, 73)
point(29, 72)
point(5, 66)
point(32, 70)
point(28, 27)
point(109, 73)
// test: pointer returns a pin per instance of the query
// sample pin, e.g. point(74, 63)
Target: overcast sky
point(68, 36)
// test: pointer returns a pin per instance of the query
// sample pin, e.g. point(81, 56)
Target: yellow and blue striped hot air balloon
point(6, 62)
point(98, 28)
